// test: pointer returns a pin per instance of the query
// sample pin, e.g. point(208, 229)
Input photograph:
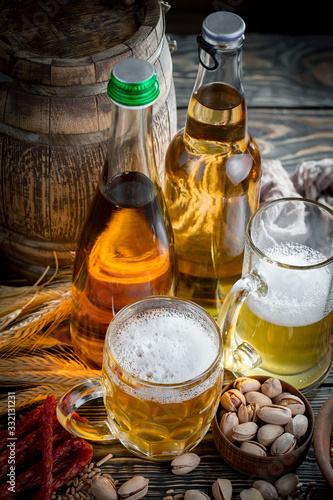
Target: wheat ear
point(50, 314)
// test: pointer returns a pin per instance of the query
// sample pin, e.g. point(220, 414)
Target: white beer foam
point(164, 347)
point(295, 297)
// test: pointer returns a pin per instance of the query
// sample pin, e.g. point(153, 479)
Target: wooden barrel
point(56, 57)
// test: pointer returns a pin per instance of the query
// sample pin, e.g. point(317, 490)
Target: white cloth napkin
point(311, 179)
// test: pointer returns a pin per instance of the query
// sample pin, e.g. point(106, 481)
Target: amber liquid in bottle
point(124, 255)
point(211, 189)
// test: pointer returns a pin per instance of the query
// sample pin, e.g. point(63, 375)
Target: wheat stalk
point(50, 368)
point(29, 397)
point(30, 352)
point(12, 300)
point(30, 328)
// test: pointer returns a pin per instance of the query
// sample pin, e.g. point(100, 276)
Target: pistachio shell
point(274, 414)
point(267, 490)
point(268, 433)
point(272, 387)
point(229, 420)
point(184, 463)
point(297, 426)
point(222, 489)
point(254, 448)
point(134, 488)
point(294, 403)
point(195, 495)
point(247, 413)
point(232, 399)
point(244, 432)
point(251, 494)
point(103, 488)
point(283, 444)
point(246, 384)
point(257, 397)
point(286, 484)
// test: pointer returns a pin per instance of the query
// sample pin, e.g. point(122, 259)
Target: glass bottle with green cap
point(126, 251)
point(213, 169)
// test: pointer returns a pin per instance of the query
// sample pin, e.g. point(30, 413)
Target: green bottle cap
point(133, 83)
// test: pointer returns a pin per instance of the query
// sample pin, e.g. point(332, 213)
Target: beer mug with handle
point(161, 379)
point(277, 319)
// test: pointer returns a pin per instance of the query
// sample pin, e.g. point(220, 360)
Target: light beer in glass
point(161, 379)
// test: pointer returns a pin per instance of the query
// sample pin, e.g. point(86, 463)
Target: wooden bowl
point(257, 466)
point(322, 440)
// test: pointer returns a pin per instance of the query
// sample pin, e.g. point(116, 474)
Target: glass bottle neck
point(130, 145)
point(216, 120)
point(228, 62)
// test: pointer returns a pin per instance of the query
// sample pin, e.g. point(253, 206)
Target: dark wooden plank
point(279, 71)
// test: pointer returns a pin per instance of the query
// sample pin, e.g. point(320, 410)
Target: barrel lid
point(68, 43)
point(133, 83)
point(222, 27)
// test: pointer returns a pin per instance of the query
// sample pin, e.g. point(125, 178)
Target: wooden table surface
point(289, 88)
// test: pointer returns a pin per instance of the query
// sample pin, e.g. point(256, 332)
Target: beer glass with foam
point(161, 379)
point(279, 314)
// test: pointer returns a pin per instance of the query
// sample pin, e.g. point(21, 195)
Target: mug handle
point(244, 357)
point(72, 400)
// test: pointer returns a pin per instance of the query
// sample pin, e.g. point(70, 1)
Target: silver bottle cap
point(222, 27)
point(133, 70)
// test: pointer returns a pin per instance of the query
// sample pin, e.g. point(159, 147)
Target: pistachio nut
point(257, 397)
point(246, 384)
point(286, 484)
point(184, 463)
point(195, 495)
point(272, 387)
point(251, 494)
point(274, 414)
point(103, 488)
point(294, 403)
point(283, 444)
point(134, 488)
point(222, 489)
point(267, 489)
point(247, 413)
point(254, 448)
point(229, 420)
point(297, 426)
point(268, 433)
point(280, 397)
point(244, 432)
point(232, 399)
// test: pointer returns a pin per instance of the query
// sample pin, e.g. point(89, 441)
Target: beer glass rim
point(262, 255)
point(218, 360)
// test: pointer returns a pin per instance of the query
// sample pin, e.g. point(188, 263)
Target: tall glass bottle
point(126, 251)
point(213, 169)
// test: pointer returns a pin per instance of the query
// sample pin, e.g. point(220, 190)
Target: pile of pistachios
point(261, 418)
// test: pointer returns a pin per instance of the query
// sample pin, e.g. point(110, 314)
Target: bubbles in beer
point(164, 348)
point(295, 296)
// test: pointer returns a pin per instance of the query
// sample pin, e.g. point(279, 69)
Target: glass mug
point(277, 319)
point(161, 379)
